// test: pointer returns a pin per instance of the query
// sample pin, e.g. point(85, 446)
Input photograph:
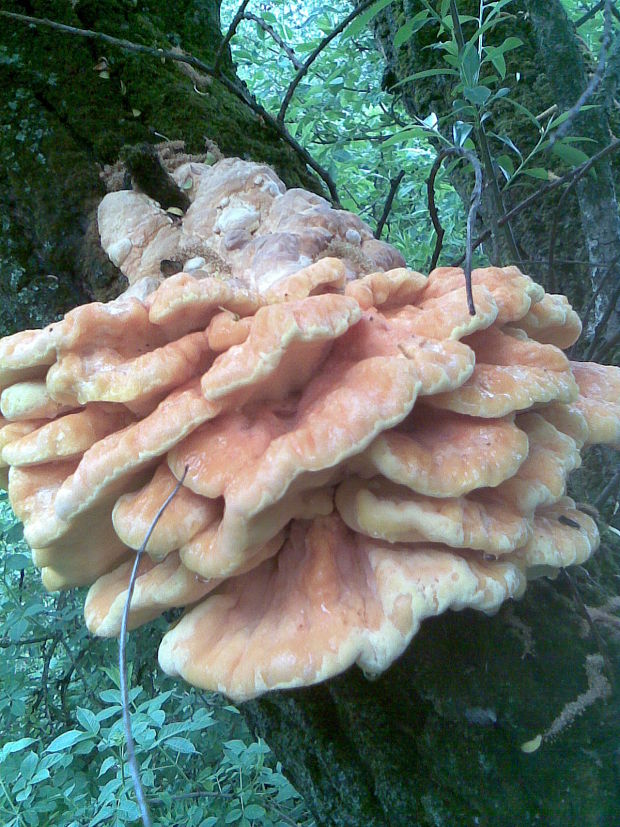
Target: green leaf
point(499, 62)
point(14, 746)
point(182, 745)
point(537, 172)
point(109, 762)
point(504, 162)
point(570, 154)
point(461, 132)
point(66, 740)
point(17, 562)
point(232, 816)
point(362, 20)
point(507, 142)
point(14, 534)
point(410, 28)
point(254, 811)
point(87, 719)
point(478, 95)
point(426, 73)
point(470, 66)
point(561, 118)
point(405, 135)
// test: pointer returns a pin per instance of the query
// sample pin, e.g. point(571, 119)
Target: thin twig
point(602, 498)
point(290, 53)
point(593, 85)
point(233, 88)
point(394, 185)
point(595, 10)
point(577, 172)
point(122, 662)
point(229, 35)
point(315, 53)
point(157, 801)
point(483, 145)
point(471, 217)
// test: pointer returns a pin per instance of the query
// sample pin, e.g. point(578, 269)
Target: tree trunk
point(435, 741)
point(67, 107)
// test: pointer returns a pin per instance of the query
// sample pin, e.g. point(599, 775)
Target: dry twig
point(394, 185)
point(471, 217)
point(122, 662)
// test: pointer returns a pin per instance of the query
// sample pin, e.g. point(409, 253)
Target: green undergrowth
point(62, 745)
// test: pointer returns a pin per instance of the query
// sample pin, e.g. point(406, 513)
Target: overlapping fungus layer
point(361, 453)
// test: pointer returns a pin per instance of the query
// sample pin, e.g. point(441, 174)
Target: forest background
point(359, 104)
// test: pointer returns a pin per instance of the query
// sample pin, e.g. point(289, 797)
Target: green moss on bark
point(64, 116)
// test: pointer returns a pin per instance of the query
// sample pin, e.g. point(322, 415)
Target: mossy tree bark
point(68, 105)
point(552, 67)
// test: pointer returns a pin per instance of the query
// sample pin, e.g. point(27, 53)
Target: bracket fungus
point(361, 453)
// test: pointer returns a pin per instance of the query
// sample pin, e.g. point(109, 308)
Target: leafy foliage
point(62, 755)
point(345, 119)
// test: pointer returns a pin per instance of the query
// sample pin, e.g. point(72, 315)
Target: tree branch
point(594, 11)
point(394, 185)
point(577, 172)
point(229, 35)
point(471, 218)
point(290, 53)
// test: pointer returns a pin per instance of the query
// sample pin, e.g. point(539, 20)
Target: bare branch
point(235, 89)
point(608, 490)
point(316, 52)
point(595, 10)
point(471, 218)
point(229, 35)
point(595, 80)
point(122, 662)
point(290, 53)
point(6, 643)
point(394, 185)
point(577, 172)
